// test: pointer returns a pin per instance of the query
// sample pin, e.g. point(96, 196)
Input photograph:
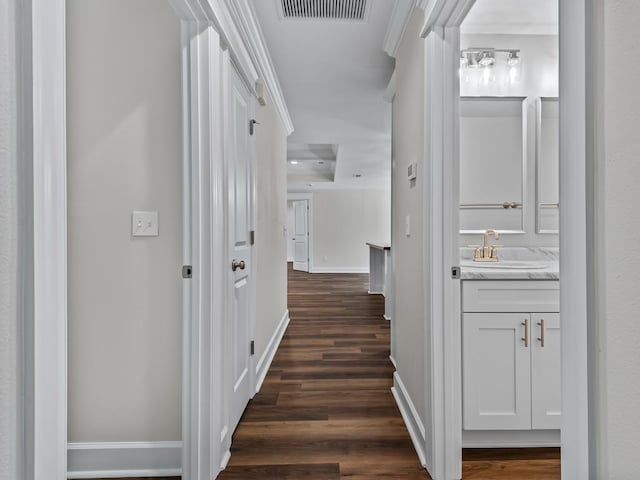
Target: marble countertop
point(550, 257)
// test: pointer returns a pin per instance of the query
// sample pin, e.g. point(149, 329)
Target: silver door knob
point(235, 265)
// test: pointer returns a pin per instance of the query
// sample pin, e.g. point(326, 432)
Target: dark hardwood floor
point(326, 412)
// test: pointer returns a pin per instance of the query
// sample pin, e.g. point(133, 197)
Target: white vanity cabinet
point(511, 355)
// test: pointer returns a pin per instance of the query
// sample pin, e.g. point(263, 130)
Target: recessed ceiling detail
point(350, 10)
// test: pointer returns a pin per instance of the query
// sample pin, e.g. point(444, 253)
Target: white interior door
point(240, 197)
point(301, 235)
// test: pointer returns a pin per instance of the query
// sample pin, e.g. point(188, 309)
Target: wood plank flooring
point(325, 411)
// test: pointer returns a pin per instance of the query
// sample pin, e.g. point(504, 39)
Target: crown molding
point(218, 14)
point(441, 12)
point(244, 17)
point(397, 24)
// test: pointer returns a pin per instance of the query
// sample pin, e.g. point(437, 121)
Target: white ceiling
point(333, 75)
point(534, 17)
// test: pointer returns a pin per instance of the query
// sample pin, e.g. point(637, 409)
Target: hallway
point(325, 410)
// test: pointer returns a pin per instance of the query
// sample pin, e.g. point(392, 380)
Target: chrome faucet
point(487, 252)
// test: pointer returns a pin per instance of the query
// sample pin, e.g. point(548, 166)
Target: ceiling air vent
point(350, 10)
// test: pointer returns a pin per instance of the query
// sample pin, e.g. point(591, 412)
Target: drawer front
point(511, 296)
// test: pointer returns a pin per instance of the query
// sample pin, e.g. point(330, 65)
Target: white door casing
point(238, 357)
point(301, 235)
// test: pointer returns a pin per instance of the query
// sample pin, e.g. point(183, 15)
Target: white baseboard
point(267, 357)
point(225, 460)
point(290, 259)
point(124, 459)
point(510, 438)
point(339, 270)
point(410, 417)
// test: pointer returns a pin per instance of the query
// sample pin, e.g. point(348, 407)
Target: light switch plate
point(144, 224)
point(407, 229)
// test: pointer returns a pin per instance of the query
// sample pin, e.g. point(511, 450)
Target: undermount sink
point(510, 264)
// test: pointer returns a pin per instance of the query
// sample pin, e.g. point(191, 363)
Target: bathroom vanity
point(511, 349)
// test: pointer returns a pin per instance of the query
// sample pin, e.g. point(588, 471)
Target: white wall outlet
point(144, 224)
point(407, 228)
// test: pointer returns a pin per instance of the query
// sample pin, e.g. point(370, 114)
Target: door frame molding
point(46, 377)
point(206, 25)
point(217, 35)
point(306, 196)
point(577, 261)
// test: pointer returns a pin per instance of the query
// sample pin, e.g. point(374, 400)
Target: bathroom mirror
point(492, 164)
point(547, 166)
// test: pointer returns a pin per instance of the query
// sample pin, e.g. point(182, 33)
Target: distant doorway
point(301, 235)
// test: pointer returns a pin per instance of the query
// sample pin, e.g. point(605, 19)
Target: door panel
point(545, 372)
point(301, 235)
point(240, 249)
point(496, 372)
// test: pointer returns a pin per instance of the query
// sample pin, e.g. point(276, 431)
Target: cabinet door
point(496, 371)
point(545, 371)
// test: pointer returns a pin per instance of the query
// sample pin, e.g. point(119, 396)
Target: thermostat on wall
point(412, 171)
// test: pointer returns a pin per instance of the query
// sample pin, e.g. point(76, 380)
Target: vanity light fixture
point(513, 60)
point(487, 58)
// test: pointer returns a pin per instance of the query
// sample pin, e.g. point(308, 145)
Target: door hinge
point(187, 271)
point(252, 347)
point(455, 272)
point(252, 124)
point(252, 237)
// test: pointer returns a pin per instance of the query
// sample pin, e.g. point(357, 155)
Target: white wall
point(408, 147)
point(538, 78)
point(271, 216)
point(343, 222)
point(618, 247)
point(9, 310)
point(124, 153)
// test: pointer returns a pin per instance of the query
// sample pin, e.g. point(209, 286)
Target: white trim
point(443, 395)
point(203, 410)
point(397, 25)
point(339, 270)
point(245, 18)
point(225, 460)
point(124, 459)
point(289, 259)
point(410, 416)
point(390, 91)
point(577, 256)
point(272, 347)
point(510, 439)
point(187, 257)
point(215, 13)
point(50, 240)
